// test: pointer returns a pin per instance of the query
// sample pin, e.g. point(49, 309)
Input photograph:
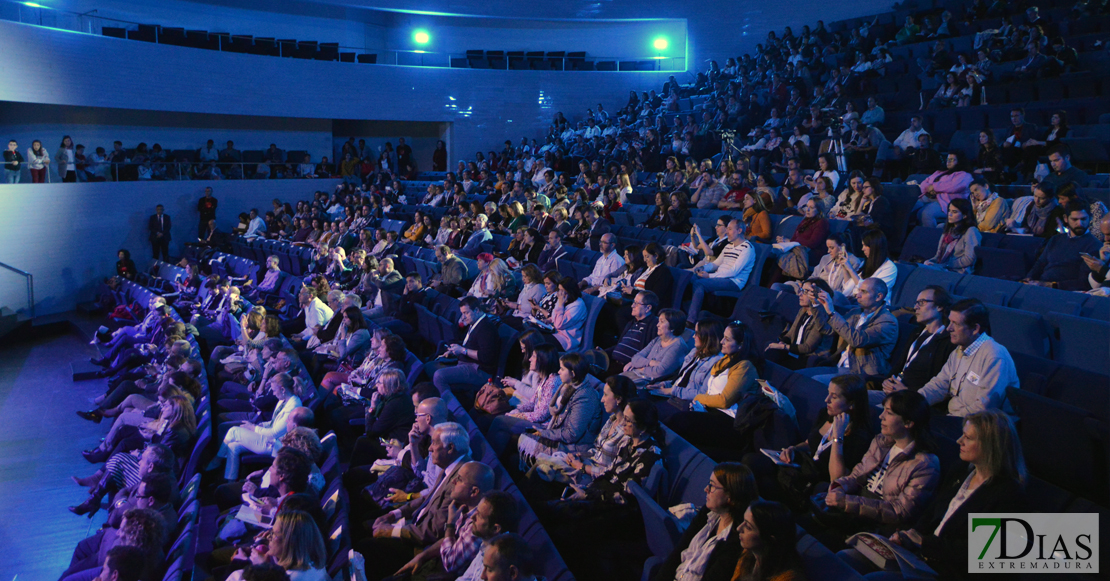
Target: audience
point(426, 495)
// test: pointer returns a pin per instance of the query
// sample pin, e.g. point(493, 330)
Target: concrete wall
point(485, 107)
point(67, 235)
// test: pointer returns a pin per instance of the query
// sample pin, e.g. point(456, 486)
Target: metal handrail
point(30, 286)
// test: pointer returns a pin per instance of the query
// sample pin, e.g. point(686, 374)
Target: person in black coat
point(477, 353)
point(928, 348)
point(659, 281)
point(994, 483)
point(125, 267)
point(159, 226)
point(598, 228)
point(876, 213)
point(730, 490)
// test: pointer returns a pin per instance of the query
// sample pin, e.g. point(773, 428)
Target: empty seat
point(921, 244)
point(1078, 341)
point(1000, 263)
point(369, 59)
point(1039, 299)
point(989, 290)
point(1019, 331)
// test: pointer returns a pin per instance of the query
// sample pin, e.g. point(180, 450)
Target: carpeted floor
point(40, 443)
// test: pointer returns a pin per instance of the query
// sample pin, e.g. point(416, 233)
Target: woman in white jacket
point(259, 438)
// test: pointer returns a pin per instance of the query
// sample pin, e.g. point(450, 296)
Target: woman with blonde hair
point(295, 545)
point(994, 481)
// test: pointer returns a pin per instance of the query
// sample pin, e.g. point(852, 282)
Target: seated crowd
point(579, 385)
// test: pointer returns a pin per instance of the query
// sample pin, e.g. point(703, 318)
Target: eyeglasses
point(922, 302)
point(419, 414)
point(711, 486)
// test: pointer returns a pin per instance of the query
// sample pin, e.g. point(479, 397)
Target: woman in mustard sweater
point(991, 210)
point(708, 424)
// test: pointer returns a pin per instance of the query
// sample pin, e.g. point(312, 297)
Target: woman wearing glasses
point(710, 548)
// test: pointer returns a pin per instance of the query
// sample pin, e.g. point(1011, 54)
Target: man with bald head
point(385, 279)
point(423, 521)
point(868, 335)
point(607, 264)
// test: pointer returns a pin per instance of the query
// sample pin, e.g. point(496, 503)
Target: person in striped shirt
point(729, 272)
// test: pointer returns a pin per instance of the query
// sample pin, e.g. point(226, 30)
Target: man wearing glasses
point(928, 349)
point(868, 335)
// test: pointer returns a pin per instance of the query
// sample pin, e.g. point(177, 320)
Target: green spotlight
point(421, 37)
point(661, 43)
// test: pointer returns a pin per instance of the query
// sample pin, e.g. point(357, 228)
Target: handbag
point(795, 263)
point(492, 400)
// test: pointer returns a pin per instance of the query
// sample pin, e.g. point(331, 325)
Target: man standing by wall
point(159, 225)
point(206, 207)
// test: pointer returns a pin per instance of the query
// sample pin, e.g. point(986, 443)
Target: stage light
point(421, 37)
point(661, 43)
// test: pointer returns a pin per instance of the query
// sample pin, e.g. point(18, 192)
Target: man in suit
point(868, 335)
point(598, 228)
point(159, 226)
point(541, 220)
point(928, 349)
point(424, 521)
point(552, 253)
point(477, 353)
point(809, 334)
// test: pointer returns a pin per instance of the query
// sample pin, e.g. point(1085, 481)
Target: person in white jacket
point(260, 438)
point(729, 272)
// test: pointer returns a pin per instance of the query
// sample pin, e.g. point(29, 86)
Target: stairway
point(12, 323)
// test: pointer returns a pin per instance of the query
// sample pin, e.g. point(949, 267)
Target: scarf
point(1037, 218)
point(723, 364)
point(982, 207)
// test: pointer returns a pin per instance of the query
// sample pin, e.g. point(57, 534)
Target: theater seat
point(921, 244)
point(1019, 331)
point(1078, 341)
point(989, 290)
point(1059, 444)
point(1000, 263)
point(1039, 299)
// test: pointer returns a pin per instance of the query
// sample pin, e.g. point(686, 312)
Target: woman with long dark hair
point(956, 247)
point(769, 540)
point(897, 477)
point(876, 262)
point(729, 492)
point(38, 161)
point(988, 162)
point(708, 424)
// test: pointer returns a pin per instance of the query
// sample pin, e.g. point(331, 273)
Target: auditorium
point(595, 290)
